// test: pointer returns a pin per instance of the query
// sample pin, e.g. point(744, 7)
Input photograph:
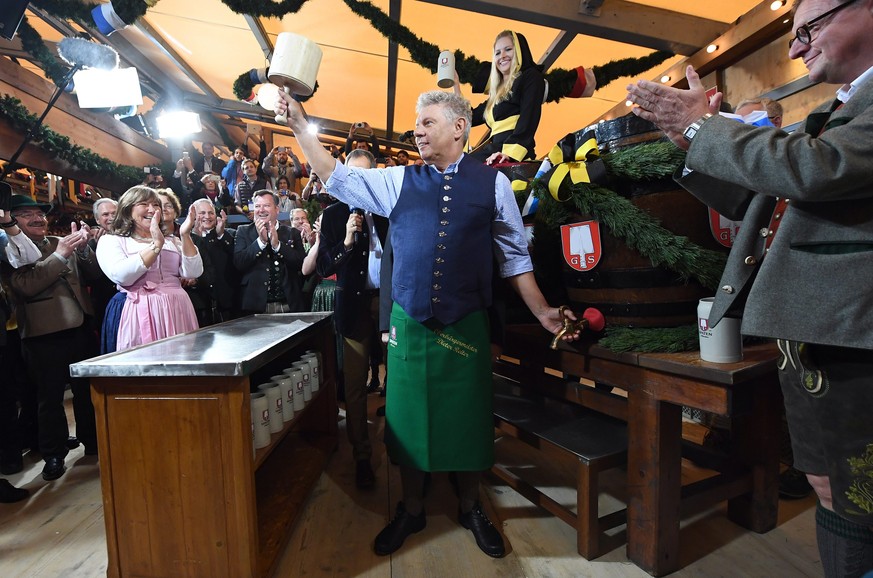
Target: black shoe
point(72, 443)
point(364, 477)
point(793, 485)
point(487, 537)
point(11, 466)
point(401, 527)
point(373, 386)
point(380, 411)
point(54, 468)
point(10, 494)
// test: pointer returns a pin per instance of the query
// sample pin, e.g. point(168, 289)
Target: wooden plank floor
point(59, 531)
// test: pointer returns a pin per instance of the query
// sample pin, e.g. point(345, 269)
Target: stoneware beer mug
point(304, 366)
point(286, 387)
point(722, 343)
point(315, 365)
point(261, 420)
point(296, 376)
point(274, 400)
point(446, 69)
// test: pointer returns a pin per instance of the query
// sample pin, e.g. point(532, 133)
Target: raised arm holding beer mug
point(439, 354)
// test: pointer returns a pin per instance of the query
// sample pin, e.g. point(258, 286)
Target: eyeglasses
point(804, 31)
point(29, 214)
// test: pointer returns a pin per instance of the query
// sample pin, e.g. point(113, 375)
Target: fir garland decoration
point(60, 146)
point(243, 86)
point(560, 81)
point(425, 54)
point(265, 9)
point(639, 230)
point(646, 162)
point(131, 10)
point(66, 9)
point(650, 339)
point(32, 43)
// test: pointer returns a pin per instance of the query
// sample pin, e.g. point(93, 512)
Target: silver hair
point(454, 106)
point(98, 202)
point(207, 201)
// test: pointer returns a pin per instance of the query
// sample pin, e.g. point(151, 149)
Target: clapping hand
point(263, 227)
point(188, 224)
point(220, 223)
point(75, 240)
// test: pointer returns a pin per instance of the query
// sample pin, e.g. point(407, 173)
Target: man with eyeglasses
point(55, 322)
point(801, 268)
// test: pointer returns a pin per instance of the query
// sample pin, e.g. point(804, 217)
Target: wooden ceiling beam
point(618, 20)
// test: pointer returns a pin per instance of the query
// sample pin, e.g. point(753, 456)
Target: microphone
point(85, 54)
point(592, 320)
point(361, 213)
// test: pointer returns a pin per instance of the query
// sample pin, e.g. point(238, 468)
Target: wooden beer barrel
point(624, 285)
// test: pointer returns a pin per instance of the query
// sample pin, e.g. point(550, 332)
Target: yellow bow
point(577, 168)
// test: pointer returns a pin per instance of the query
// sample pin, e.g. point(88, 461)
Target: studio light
point(665, 79)
point(777, 4)
point(178, 123)
point(711, 48)
point(97, 88)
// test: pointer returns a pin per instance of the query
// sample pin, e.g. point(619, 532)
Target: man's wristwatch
point(694, 127)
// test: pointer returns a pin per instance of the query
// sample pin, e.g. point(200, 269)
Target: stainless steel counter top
point(233, 348)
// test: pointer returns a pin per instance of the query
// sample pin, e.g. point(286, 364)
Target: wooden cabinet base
point(184, 492)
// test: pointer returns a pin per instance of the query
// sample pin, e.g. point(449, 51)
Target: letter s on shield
point(581, 245)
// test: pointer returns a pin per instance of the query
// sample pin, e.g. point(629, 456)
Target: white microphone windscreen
point(87, 54)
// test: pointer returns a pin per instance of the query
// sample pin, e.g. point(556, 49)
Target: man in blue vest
point(449, 219)
point(801, 267)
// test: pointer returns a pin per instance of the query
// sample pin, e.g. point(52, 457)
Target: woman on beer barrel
point(516, 90)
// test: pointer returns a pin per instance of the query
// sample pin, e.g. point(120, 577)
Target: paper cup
point(722, 343)
point(446, 69)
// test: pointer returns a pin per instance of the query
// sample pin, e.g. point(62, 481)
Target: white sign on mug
point(722, 343)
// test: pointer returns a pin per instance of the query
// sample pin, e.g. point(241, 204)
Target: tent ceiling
point(191, 53)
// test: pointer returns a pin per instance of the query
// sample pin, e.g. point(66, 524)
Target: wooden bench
point(597, 441)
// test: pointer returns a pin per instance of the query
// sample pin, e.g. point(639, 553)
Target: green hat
point(24, 202)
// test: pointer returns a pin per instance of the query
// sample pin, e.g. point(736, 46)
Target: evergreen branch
point(650, 339)
point(32, 43)
point(60, 146)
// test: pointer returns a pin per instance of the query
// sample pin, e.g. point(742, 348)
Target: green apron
point(438, 410)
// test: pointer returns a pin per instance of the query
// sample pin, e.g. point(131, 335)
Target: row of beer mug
point(276, 401)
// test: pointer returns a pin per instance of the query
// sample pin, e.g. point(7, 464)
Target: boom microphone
point(85, 54)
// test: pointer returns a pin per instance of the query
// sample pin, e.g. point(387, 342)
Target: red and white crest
point(581, 244)
point(723, 229)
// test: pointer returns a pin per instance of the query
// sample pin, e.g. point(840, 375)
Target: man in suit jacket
point(801, 267)
point(351, 247)
point(269, 256)
point(55, 322)
point(213, 293)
